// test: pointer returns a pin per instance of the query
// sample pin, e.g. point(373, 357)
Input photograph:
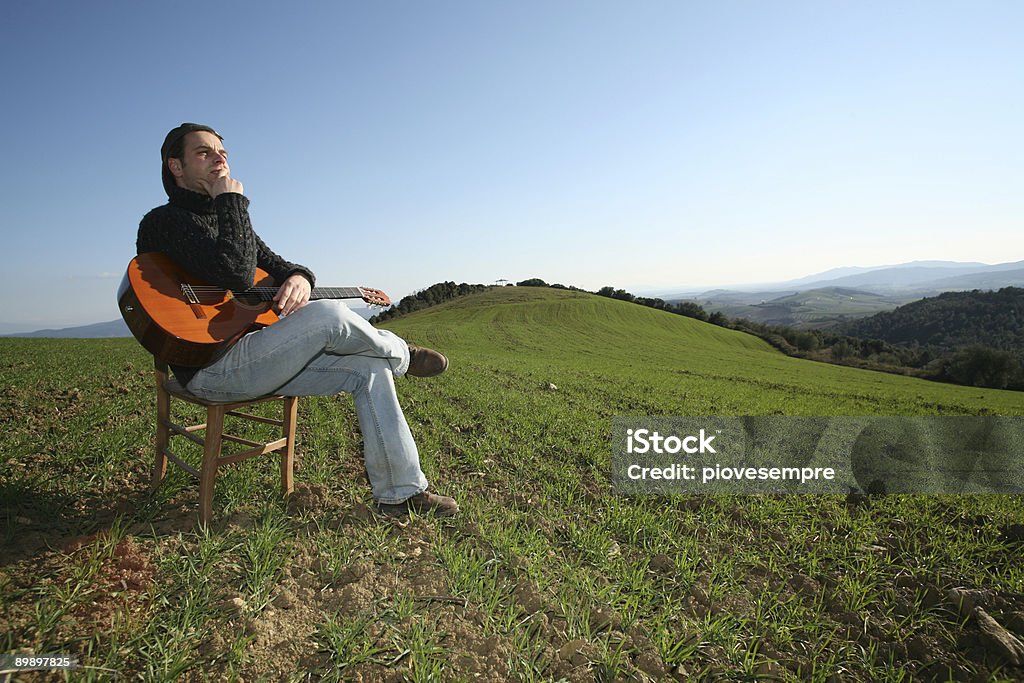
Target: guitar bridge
point(193, 301)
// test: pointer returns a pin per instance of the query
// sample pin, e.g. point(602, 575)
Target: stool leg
point(163, 416)
point(291, 405)
point(211, 453)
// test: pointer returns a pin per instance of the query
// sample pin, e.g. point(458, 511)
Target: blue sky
point(644, 145)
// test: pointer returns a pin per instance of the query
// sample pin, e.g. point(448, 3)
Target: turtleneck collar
point(193, 201)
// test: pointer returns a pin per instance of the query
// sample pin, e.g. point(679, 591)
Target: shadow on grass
point(34, 520)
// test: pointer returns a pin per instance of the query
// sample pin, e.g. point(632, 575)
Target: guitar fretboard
point(203, 294)
point(334, 293)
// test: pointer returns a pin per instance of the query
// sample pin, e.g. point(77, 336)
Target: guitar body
point(183, 321)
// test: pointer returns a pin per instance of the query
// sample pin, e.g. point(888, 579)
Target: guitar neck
point(369, 295)
point(335, 293)
point(268, 293)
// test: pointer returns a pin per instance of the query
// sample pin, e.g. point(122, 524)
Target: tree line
point(431, 296)
point(950, 321)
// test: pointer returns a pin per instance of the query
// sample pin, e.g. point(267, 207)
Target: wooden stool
point(166, 388)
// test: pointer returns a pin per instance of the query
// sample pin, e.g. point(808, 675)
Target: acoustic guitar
point(184, 321)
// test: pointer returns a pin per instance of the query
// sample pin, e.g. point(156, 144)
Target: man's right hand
point(225, 183)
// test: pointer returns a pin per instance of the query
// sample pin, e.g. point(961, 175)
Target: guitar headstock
point(374, 297)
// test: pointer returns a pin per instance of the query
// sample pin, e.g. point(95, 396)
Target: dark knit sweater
point(214, 241)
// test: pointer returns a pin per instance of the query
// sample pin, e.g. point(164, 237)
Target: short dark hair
point(174, 148)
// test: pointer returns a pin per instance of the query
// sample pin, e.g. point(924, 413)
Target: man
point(317, 348)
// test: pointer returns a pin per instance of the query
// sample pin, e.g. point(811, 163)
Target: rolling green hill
point(545, 575)
point(650, 362)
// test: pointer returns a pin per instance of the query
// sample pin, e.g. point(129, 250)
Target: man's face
point(203, 161)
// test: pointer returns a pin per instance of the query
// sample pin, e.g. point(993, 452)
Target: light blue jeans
point(324, 349)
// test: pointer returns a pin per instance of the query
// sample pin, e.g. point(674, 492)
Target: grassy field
point(545, 575)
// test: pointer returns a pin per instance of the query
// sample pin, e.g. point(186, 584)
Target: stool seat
point(212, 444)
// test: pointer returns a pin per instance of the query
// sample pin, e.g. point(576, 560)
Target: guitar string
point(206, 288)
point(360, 292)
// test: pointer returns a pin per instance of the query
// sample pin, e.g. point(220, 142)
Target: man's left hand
point(292, 295)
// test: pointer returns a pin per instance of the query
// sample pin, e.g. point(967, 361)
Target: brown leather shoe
point(422, 503)
point(425, 362)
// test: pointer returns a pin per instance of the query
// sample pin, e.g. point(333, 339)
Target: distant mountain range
point(113, 328)
point(843, 294)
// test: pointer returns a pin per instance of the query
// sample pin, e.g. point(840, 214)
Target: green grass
point(546, 575)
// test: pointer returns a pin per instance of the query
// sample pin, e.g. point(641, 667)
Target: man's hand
point(222, 184)
point(292, 295)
